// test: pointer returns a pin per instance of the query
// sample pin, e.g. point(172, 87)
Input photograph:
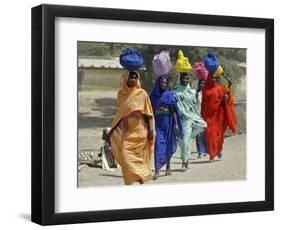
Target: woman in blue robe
point(167, 123)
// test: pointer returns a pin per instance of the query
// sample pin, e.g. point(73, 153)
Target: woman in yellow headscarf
point(132, 133)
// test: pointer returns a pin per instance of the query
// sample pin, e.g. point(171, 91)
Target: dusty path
point(96, 112)
point(232, 167)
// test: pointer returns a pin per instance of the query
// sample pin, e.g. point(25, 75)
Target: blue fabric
point(166, 140)
point(211, 62)
point(201, 144)
point(130, 59)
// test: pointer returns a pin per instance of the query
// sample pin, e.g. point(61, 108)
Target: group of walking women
point(160, 122)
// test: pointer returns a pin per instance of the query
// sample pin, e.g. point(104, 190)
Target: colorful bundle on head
point(200, 71)
point(161, 63)
point(211, 62)
point(219, 71)
point(130, 59)
point(182, 64)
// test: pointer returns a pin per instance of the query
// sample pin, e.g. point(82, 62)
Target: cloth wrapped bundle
point(182, 64)
point(161, 63)
point(211, 62)
point(200, 71)
point(219, 71)
point(131, 59)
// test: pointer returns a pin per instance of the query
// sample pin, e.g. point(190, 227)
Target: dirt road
point(96, 112)
point(232, 167)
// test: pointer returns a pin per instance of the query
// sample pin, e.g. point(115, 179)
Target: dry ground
point(96, 112)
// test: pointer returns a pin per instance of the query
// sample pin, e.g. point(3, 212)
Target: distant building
point(99, 73)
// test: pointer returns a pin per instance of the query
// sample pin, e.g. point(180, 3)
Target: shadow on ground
point(100, 115)
point(111, 175)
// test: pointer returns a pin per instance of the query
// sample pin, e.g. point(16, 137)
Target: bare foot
point(155, 176)
point(168, 169)
point(168, 172)
point(211, 160)
point(183, 168)
point(220, 156)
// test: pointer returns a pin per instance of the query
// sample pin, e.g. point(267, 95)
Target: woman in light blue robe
point(192, 122)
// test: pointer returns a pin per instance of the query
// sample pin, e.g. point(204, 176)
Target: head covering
point(125, 89)
point(157, 96)
point(211, 62)
point(182, 64)
point(129, 99)
point(160, 98)
point(131, 59)
point(161, 63)
point(200, 71)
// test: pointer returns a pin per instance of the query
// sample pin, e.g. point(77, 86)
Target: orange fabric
point(130, 145)
point(218, 114)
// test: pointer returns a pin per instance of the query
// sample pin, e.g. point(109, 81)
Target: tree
point(229, 57)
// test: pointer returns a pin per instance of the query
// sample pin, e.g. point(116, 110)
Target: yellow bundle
point(219, 71)
point(182, 64)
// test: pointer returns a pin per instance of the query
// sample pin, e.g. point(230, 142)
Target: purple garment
point(166, 140)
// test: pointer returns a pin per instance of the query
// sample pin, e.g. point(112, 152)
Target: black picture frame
point(43, 114)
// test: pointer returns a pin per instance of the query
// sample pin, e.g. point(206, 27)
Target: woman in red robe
point(217, 110)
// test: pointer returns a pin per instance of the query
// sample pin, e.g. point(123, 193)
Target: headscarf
point(160, 98)
point(131, 99)
point(125, 89)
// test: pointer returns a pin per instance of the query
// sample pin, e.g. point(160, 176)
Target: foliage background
point(229, 58)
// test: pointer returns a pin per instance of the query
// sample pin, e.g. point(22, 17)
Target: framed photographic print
point(144, 114)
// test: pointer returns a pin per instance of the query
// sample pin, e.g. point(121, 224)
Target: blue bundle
point(131, 59)
point(211, 62)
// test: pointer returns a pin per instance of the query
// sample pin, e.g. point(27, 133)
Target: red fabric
point(218, 114)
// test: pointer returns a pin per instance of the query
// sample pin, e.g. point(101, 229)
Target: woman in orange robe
point(217, 109)
point(132, 133)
